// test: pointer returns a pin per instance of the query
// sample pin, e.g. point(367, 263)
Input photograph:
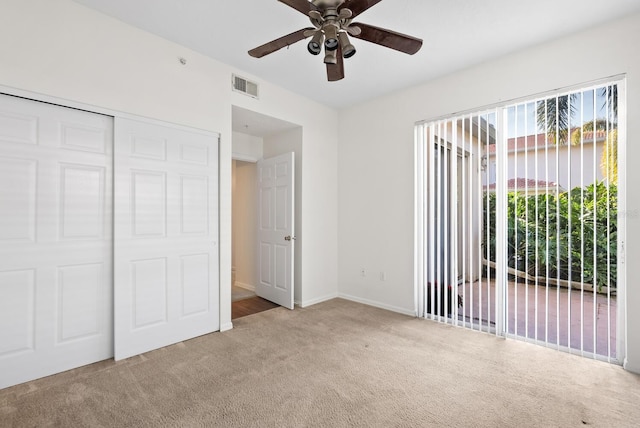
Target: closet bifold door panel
point(55, 239)
point(166, 279)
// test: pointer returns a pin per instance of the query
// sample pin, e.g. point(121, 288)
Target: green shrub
point(570, 236)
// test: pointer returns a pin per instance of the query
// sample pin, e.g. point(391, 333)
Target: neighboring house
point(536, 160)
point(528, 186)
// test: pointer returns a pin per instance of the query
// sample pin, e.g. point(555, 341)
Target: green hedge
point(563, 236)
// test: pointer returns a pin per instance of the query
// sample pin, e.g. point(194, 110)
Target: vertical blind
point(518, 231)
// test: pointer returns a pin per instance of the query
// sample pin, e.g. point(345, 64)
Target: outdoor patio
point(568, 318)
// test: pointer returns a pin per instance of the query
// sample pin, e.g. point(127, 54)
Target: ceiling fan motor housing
point(333, 24)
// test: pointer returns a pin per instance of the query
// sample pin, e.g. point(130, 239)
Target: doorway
point(244, 243)
point(259, 141)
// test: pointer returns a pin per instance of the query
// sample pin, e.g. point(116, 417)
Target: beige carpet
point(334, 364)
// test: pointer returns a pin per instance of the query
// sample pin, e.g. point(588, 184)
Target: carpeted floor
point(335, 364)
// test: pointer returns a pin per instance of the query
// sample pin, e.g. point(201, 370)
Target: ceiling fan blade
point(358, 6)
point(388, 38)
point(280, 43)
point(302, 6)
point(335, 72)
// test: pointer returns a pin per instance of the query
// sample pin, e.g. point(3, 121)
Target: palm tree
point(598, 125)
point(554, 116)
point(611, 95)
point(609, 160)
point(557, 112)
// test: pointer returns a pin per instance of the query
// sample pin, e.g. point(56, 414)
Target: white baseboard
point(629, 367)
point(245, 286)
point(226, 327)
point(375, 304)
point(315, 301)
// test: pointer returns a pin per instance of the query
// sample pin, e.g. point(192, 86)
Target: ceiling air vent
point(245, 86)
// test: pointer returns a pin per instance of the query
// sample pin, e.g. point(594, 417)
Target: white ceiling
point(456, 34)
point(257, 124)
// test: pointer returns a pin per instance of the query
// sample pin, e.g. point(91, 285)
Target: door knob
point(289, 238)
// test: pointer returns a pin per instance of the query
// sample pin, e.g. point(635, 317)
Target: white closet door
point(55, 239)
point(166, 231)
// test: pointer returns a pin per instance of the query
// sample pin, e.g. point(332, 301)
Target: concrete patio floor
point(568, 318)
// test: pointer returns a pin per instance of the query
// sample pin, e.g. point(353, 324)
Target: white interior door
point(55, 239)
point(166, 232)
point(276, 229)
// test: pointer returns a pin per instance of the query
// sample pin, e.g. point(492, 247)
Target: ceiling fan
point(332, 24)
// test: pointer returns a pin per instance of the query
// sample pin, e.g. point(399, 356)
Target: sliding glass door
point(518, 231)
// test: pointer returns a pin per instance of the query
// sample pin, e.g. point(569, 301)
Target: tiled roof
point(600, 135)
point(530, 142)
point(527, 183)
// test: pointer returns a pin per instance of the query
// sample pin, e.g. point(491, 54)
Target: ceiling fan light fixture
point(315, 44)
point(331, 42)
point(348, 50)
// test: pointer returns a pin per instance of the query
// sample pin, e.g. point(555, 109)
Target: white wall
point(245, 224)
point(278, 144)
point(62, 49)
point(376, 156)
point(246, 147)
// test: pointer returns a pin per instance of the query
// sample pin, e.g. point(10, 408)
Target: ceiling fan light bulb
point(314, 48)
point(315, 44)
point(348, 50)
point(331, 43)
